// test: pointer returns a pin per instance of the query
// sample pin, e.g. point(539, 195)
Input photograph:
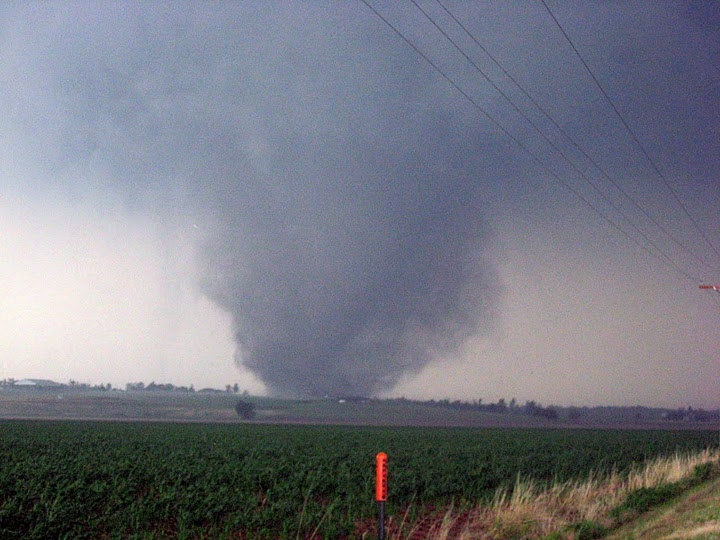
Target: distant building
point(37, 383)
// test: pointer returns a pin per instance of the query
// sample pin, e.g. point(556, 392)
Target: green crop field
point(162, 480)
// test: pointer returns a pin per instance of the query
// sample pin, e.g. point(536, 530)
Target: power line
point(553, 145)
point(497, 124)
point(562, 131)
point(630, 131)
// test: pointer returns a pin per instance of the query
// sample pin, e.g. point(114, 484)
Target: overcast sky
point(290, 196)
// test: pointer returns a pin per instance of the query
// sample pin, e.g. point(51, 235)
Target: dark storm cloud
point(341, 227)
point(336, 187)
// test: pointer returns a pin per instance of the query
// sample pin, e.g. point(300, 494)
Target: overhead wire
point(630, 131)
point(524, 147)
point(607, 199)
point(572, 141)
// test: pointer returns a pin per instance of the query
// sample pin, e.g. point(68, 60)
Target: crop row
point(135, 480)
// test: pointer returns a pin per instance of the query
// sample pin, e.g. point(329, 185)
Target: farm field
point(198, 407)
point(64, 479)
point(220, 407)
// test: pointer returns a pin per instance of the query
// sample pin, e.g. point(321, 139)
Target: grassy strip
point(695, 514)
point(644, 498)
point(580, 510)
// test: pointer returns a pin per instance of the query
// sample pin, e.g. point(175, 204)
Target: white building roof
point(36, 382)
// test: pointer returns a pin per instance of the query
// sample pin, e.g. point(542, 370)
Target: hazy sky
point(289, 196)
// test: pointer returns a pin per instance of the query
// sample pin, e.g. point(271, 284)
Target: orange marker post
point(381, 489)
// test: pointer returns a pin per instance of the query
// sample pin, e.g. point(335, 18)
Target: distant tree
point(534, 409)
point(245, 409)
point(530, 408)
point(675, 415)
point(236, 388)
point(228, 388)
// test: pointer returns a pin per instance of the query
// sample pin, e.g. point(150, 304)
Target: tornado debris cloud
point(341, 290)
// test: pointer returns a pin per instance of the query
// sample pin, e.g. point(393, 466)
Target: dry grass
point(529, 512)
point(706, 530)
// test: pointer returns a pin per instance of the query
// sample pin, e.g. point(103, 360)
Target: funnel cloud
point(340, 288)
